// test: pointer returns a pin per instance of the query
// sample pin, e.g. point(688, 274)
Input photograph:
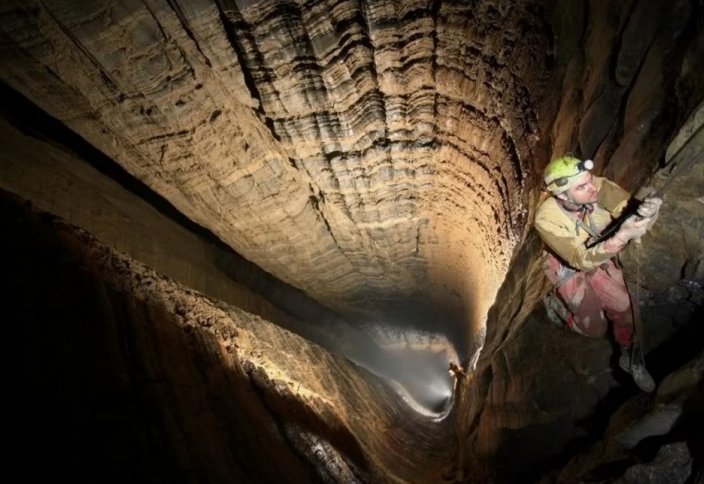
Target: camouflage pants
point(594, 298)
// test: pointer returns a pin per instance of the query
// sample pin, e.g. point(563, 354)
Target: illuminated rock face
point(371, 154)
point(383, 157)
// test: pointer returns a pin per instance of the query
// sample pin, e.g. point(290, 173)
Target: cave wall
point(55, 171)
point(105, 386)
point(384, 158)
point(630, 97)
point(62, 182)
point(332, 144)
point(116, 372)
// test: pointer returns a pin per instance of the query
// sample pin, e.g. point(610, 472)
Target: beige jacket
point(562, 233)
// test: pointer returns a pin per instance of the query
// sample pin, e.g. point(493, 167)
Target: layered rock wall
point(371, 154)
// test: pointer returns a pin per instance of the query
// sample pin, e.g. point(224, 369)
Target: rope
point(635, 311)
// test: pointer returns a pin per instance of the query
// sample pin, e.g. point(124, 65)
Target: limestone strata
point(344, 147)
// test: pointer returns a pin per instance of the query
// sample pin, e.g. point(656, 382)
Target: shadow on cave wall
point(102, 387)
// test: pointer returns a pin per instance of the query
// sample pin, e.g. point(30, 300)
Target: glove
point(650, 207)
point(633, 227)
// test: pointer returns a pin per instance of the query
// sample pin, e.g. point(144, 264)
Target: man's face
point(582, 191)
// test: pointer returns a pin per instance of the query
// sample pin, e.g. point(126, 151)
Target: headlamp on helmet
point(561, 171)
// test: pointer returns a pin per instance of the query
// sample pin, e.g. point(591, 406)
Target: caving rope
point(635, 311)
point(676, 165)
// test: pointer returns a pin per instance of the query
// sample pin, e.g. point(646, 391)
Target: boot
point(631, 361)
point(556, 310)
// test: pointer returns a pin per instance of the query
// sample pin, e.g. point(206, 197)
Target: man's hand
point(650, 207)
point(634, 227)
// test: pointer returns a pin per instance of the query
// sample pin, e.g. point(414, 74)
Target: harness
point(565, 272)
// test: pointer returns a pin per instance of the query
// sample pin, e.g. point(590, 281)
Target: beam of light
point(418, 371)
